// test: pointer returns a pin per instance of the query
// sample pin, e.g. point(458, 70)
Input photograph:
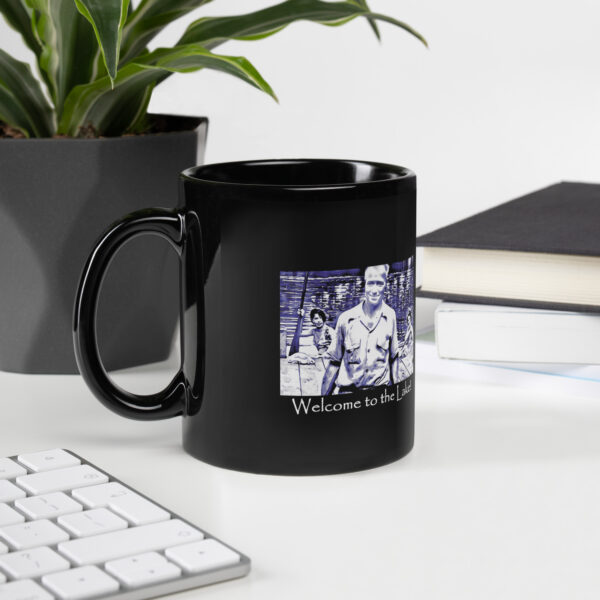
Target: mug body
point(298, 308)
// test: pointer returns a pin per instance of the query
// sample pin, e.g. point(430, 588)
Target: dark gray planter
point(56, 198)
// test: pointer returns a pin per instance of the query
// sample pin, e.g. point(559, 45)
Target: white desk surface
point(500, 497)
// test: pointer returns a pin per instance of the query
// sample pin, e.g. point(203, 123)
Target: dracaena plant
point(94, 61)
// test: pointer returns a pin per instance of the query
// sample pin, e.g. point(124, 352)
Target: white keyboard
point(71, 531)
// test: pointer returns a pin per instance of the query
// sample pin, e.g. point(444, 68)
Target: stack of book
point(520, 282)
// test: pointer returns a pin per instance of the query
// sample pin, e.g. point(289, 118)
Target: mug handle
point(170, 402)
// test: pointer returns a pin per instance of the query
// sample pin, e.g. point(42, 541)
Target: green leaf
point(114, 111)
point(148, 19)
point(212, 31)
point(69, 46)
point(22, 102)
point(140, 118)
point(18, 16)
point(372, 22)
point(107, 17)
point(12, 113)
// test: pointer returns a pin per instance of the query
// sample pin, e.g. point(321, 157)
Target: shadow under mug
point(297, 309)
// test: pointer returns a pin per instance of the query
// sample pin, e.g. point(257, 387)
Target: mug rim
point(398, 173)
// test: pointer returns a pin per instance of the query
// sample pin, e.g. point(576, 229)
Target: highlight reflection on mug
point(346, 330)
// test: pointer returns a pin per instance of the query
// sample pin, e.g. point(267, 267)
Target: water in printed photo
point(345, 330)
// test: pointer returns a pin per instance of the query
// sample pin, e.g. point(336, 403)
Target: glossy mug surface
point(297, 306)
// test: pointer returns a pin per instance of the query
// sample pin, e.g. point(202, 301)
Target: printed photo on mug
point(346, 330)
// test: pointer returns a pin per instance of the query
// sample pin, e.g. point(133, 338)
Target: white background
point(505, 101)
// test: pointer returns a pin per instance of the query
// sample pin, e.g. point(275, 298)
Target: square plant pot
point(56, 198)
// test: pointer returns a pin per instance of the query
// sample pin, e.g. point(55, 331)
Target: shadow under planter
point(56, 197)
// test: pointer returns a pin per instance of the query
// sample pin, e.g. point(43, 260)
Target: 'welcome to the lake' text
point(336, 404)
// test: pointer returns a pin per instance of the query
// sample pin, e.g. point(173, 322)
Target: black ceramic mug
point(297, 307)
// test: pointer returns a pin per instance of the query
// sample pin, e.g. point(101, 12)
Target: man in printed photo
point(364, 350)
point(405, 362)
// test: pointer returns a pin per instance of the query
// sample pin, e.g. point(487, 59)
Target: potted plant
point(78, 150)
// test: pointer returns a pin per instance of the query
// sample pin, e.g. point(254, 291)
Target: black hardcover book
point(540, 250)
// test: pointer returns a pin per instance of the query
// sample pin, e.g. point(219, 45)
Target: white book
point(482, 332)
point(508, 274)
point(568, 379)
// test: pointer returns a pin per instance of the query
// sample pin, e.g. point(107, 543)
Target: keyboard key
point(2, 580)
point(99, 496)
point(125, 502)
point(32, 534)
point(139, 511)
point(143, 569)
point(202, 556)
point(32, 563)
point(9, 469)
point(9, 516)
point(92, 522)
point(80, 583)
point(61, 480)
point(48, 460)
point(3, 548)
point(24, 590)
point(47, 506)
point(134, 540)
point(9, 491)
